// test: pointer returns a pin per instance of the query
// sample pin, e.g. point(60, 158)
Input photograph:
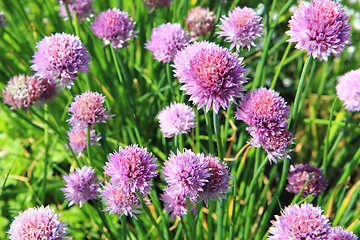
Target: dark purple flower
point(176, 119)
point(166, 41)
point(81, 186)
point(23, 91)
point(175, 202)
point(38, 223)
point(321, 27)
point(348, 90)
point(339, 233)
point(120, 202)
point(83, 9)
point(300, 173)
point(212, 75)
point(200, 21)
point(218, 181)
point(132, 168)
point(266, 112)
point(151, 5)
point(60, 56)
point(186, 173)
point(300, 222)
point(241, 28)
point(87, 109)
point(114, 27)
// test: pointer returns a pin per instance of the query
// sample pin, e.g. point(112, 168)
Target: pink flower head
point(218, 182)
point(22, 91)
point(241, 28)
point(176, 119)
point(87, 109)
point(114, 27)
point(175, 203)
point(321, 27)
point(83, 9)
point(300, 222)
point(348, 90)
point(77, 139)
point(132, 168)
point(266, 112)
point(120, 202)
point(151, 5)
point(38, 223)
point(299, 174)
point(60, 56)
point(186, 173)
point(200, 21)
point(167, 40)
point(81, 186)
point(339, 233)
point(212, 75)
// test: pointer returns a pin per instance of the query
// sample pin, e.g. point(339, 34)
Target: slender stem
point(279, 67)
point(190, 218)
point(124, 229)
point(308, 83)
point(88, 144)
point(218, 136)
point(103, 218)
point(209, 132)
point(169, 79)
point(298, 93)
point(69, 17)
point(116, 65)
point(147, 210)
point(184, 227)
point(46, 157)
point(232, 223)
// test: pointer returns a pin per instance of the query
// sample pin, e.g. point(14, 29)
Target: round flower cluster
point(38, 223)
point(60, 56)
point(321, 27)
point(151, 5)
point(81, 186)
point(190, 175)
point(176, 119)
point(166, 40)
point(266, 112)
point(83, 9)
point(23, 91)
point(212, 75)
point(200, 21)
point(348, 90)
point(114, 27)
point(130, 171)
point(241, 28)
point(300, 174)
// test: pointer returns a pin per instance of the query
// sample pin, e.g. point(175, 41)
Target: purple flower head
point(176, 119)
point(241, 28)
point(175, 203)
point(132, 168)
point(3, 21)
point(87, 109)
point(217, 181)
point(348, 90)
point(186, 173)
point(81, 185)
point(212, 75)
point(151, 5)
point(60, 56)
point(321, 27)
point(264, 110)
point(166, 41)
point(300, 173)
point(114, 27)
point(200, 21)
point(38, 223)
point(23, 91)
point(83, 9)
point(300, 222)
point(77, 139)
point(339, 233)
point(120, 202)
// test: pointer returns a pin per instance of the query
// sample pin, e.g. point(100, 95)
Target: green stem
point(169, 79)
point(69, 17)
point(147, 210)
point(218, 136)
point(88, 144)
point(184, 227)
point(103, 218)
point(209, 132)
point(46, 157)
point(124, 229)
point(279, 67)
point(296, 109)
point(191, 220)
point(307, 86)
